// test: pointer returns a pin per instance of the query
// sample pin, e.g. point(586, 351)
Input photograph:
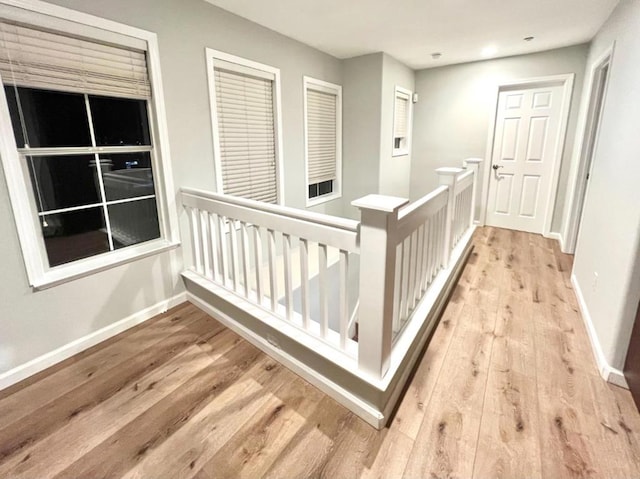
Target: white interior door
point(525, 146)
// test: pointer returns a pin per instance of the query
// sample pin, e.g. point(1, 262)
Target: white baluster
point(344, 297)
point(223, 250)
point(273, 291)
point(244, 252)
point(233, 245)
point(288, 292)
point(213, 247)
point(323, 286)
point(304, 281)
point(257, 254)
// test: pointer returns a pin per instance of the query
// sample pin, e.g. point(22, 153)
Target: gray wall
point(362, 115)
point(34, 323)
point(609, 238)
point(454, 114)
point(394, 171)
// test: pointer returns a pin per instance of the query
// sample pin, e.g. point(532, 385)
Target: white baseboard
point(366, 411)
point(41, 363)
point(608, 373)
point(558, 237)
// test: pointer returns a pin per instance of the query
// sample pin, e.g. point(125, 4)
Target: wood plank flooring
point(507, 388)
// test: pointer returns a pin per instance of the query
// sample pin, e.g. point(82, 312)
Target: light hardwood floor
point(507, 388)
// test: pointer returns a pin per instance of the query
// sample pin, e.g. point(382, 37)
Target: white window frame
point(213, 55)
point(333, 89)
point(25, 212)
point(406, 150)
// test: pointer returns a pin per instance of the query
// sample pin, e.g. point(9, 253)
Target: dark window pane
point(325, 187)
point(127, 175)
point(63, 181)
point(14, 112)
point(313, 190)
point(74, 235)
point(118, 121)
point(52, 119)
point(133, 222)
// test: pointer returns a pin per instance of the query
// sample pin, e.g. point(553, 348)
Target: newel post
point(473, 164)
point(448, 176)
point(378, 225)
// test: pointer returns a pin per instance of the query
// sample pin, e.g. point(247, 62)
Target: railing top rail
point(411, 207)
point(415, 214)
point(464, 180)
point(329, 230)
point(294, 213)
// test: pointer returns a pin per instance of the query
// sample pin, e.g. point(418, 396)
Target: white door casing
point(529, 133)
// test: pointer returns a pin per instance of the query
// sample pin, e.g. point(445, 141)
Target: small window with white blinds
point(323, 132)
point(85, 173)
point(246, 130)
point(401, 121)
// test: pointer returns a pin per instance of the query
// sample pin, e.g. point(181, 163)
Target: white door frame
point(566, 80)
point(576, 188)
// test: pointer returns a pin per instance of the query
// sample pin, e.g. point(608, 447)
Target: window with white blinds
point(35, 58)
point(246, 124)
point(323, 105)
point(83, 116)
point(401, 121)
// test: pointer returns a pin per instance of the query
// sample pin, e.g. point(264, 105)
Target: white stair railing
point(300, 268)
point(266, 254)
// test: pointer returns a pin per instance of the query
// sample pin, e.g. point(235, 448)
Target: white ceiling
point(410, 30)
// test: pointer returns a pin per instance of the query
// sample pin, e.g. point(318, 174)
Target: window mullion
point(103, 195)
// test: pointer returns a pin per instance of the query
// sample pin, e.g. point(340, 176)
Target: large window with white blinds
point(323, 140)
point(401, 121)
point(81, 143)
point(244, 97)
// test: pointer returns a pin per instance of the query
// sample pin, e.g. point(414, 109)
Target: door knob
point(495, 167)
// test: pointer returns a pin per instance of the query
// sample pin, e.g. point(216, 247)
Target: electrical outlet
point(594, 285)
point(273, 341)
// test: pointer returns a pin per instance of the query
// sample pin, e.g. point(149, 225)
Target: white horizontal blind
point(401, 109)
point(36, 58)
point(321, 136)
point(246, 132)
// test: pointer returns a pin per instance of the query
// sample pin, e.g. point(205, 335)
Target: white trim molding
point(608, 373)
point(23, 205)
point(58, 355)
point(567, 81)
point(309, 83)
point(576, 188)
point(558, 237)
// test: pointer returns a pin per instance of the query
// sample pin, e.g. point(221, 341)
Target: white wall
point(361, 119)
point(454, 114)
point(609, 238)
point(369, 92)
point(394, 171)
point(35, 323)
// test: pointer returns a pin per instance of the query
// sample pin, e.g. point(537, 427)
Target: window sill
point(318, 200)
point(400, 153)
point(87, 267)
